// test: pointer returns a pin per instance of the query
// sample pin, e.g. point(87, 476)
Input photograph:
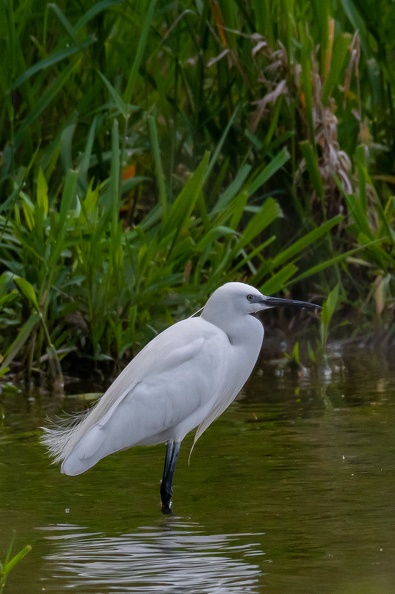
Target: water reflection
point(179, 557)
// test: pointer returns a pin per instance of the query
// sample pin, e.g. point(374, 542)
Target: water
point(292, 490)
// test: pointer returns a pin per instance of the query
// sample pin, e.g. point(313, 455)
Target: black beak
point(279, 302)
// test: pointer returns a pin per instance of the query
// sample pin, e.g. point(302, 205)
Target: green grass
point(153, 151)
point(10, 562)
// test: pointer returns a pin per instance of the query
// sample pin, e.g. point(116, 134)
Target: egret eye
point(250, 298)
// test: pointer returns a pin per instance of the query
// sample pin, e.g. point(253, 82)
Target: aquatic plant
point(152, 151)
point(10, 562)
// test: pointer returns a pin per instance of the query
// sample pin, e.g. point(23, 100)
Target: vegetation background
point(153, 150)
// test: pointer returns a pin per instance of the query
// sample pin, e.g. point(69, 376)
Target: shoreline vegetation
point(152, 151)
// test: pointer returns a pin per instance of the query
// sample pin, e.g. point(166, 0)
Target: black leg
point(172, 451)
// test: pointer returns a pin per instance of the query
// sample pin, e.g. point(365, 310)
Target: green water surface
point(292, 490)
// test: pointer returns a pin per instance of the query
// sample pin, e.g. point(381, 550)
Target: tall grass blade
point(17, 345)
point(159, 173)
point(147, 10)
point(180, 211)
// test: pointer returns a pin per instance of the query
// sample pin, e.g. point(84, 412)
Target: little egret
point(184, 378)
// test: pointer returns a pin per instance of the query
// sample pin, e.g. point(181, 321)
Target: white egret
point(183, 379)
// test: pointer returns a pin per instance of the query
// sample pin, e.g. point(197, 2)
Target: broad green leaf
point(28, 212)
point(42, 193)
point(275, 165)
point(359, 214)
point(159, 174)
point(123, 109)
point(27, 290)
point(306, 76)
point(214, 234)
point(87, 154)
point(65, 22)
point(23, 335)
point(328, 310)
point(181, 209)
point(330, 262)
point(356, 19)
point(43, 101)
point(16, 559)
point(147, 8)
point(309, 152)
point(258, 253)
point(112, 196)
point(269, 212)
point(340, 53)
point(236, 209)
point(301, 244)
point(60, 232)
point(68, 198)
point(54, 58)
point(330, 304)
point(322, 11)
point(279, 280)
point(94, 10)
point(232, 190)
point(220, 144)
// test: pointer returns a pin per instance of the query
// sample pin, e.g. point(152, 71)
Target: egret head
point(241, 299)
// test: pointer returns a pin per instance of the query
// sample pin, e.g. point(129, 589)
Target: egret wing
point(158, 398)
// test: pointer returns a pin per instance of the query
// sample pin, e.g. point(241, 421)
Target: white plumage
point(184, 378)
